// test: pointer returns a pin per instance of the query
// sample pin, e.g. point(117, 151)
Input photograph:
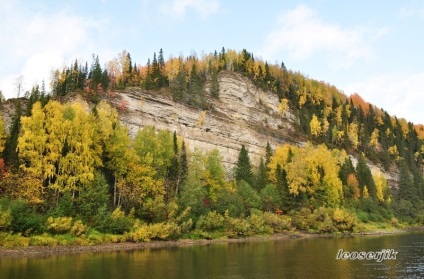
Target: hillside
point(243, 115)
point(207, 147)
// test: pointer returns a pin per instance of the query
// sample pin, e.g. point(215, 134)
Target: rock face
point(243, 114)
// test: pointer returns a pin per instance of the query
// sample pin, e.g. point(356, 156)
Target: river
point(287, 258)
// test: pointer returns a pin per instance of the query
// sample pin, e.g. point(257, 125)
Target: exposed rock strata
point(243, 114)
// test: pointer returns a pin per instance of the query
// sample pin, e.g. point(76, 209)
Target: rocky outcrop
point(243, 114)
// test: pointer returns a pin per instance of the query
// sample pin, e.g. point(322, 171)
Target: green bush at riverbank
point(54, 231)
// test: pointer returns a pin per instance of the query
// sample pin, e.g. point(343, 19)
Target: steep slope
point(243, 114)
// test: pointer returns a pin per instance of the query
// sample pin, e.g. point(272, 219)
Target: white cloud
point(178, 8)
point(36, 42)
point(397, 93)
point(303, 33)
point(412, 10)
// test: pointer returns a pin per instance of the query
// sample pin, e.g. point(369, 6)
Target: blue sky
point(374, 48)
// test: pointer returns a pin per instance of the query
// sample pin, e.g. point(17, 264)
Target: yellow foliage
point(23, 185)
point(201, 120)
point(353, 134)
point(281, 156)
point(78, 228)
point(315, 126)
point(308, 169)
point(374, 138)
point(58, 144)
point(380, 184)
point(393, 150)
point(365, 193)
point(59, 224)
point(283, 106)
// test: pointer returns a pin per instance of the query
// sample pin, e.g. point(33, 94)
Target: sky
point(373, 48)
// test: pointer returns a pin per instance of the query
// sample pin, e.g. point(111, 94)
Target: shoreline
point(45, 251)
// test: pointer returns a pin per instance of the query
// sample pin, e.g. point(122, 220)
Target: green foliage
point(211, 222)
point(92, 198)
point(278, 223)
point(25, 218)
point(325, 220)
point(250, 198)
point(116, 222)
point(270, 198)
point(365, 178)
point(243, 169)
point(230, 202)
point(5, 215)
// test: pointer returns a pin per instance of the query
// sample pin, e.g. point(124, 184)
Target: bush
point(236, 227)
point(8, 240)
point(325, 220)
point(78, 228)
point(59, 225)
point(157, 231)
point(344, 220)
point(5, 215)
point(64, 207)
point(258, 225)
point(211, 222)
point(119, 222)
point(43, 240)
point(25, 219)
point(278, 223)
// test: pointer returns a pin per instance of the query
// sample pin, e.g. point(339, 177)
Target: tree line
point(76, 160)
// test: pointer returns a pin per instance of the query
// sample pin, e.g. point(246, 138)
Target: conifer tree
point(407, 190)
point(364, 177)
point(261, 177)
point(244, 167)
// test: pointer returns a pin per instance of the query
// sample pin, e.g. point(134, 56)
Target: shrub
point(8, 240)
point(43, 240)
point(157, 231)
point(5, 217)
point(25, 219)
point(258, 225)
point(279, 223)
point(78, 228)
point(344, 220)
point(211, 222)
point(59, 225)
point(236, 227)
point(119, 222)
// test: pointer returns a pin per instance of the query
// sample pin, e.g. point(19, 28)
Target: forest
point(71, 173)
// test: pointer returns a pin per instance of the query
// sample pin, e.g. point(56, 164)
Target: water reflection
point(294, 258)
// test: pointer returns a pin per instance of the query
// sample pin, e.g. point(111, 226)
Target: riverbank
point(43, 251)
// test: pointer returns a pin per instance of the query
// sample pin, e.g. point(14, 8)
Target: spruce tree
point(407, 190)
point(183, 162)
point(364, 177)
point(244, 167)
point(261, 177)
point(10, 154)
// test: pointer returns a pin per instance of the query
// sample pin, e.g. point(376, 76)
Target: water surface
point(286, 258)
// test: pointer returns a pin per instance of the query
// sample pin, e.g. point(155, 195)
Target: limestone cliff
point(243, 114)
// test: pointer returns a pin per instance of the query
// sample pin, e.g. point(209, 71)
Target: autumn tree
point(58, 146)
